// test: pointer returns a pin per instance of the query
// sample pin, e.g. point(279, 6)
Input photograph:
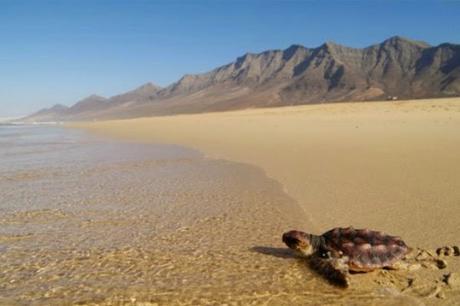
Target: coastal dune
point(392, 166)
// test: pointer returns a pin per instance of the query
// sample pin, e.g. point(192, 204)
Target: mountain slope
point(297, 75)
point(143, 92)
point(48, 114)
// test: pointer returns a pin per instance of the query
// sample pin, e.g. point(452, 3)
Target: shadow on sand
point(276, 252)
point(331, 276)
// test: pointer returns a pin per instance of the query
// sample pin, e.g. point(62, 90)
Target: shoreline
point(156, 223)
point(167, 224)
point(316, 152)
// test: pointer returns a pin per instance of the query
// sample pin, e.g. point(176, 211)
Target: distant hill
point(397, 67)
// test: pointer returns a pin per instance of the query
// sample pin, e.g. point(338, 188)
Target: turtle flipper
point(334, 269)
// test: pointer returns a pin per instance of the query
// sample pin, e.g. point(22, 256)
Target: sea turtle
point(342, 250)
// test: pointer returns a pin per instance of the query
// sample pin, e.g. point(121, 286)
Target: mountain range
point(397, 67)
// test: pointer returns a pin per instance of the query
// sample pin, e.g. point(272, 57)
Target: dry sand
point(391, 166)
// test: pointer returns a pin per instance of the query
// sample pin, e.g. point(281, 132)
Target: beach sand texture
point(390, 166)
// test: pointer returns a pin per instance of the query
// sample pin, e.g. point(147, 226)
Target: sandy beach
point(390, 166)
point(138, 217)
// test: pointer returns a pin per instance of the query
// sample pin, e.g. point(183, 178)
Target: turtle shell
point(366, 249)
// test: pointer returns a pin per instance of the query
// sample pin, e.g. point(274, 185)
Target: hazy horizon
point(58, 52)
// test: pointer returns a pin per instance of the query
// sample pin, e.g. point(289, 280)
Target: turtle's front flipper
point(334, 269)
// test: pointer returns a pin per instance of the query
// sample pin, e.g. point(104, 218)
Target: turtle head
point(299, 241)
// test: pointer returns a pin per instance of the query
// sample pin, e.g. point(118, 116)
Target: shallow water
point(91, 221)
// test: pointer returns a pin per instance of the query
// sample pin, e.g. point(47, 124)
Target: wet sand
point(85, 221)
point(390, 166)
point(166, 232)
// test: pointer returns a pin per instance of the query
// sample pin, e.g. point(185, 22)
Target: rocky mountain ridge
point(397, 67)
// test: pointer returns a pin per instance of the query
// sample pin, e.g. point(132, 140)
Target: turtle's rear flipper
point(334, 269)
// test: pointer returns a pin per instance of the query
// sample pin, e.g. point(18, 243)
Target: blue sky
point(61, 51)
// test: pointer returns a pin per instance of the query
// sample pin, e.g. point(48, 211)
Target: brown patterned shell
point(366, 249)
